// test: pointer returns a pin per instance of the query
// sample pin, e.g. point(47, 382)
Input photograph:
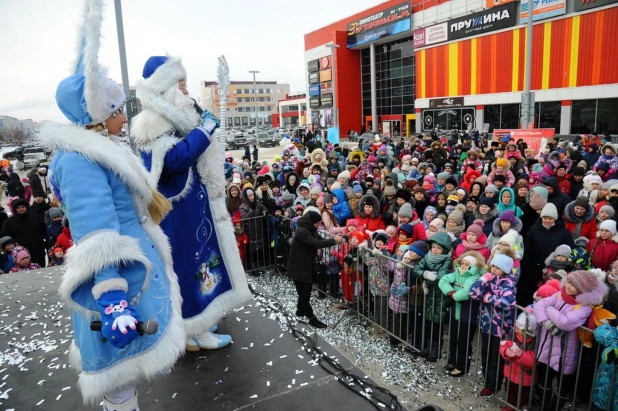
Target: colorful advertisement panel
point(437, 33)
point(543, 9)
point(314, 90)
point(533, 136)
point(581, 5)
point(325, 63)
point(313, 66)
point(394, 20)
point(485, 21)
point(326, 75)
point(494, 3)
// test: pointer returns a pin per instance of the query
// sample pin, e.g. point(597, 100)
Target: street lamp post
point(254, 72)
point(332, 47)
point(123, 68)
point(527, 105)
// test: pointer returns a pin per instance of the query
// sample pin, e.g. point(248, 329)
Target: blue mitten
point(393, 289)
point(402, 290)
point(118, 318)
point(209, 122)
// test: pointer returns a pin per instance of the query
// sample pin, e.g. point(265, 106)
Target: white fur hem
point(95, 252)
point(113, 284)
point(151, 363)
point(210, 168)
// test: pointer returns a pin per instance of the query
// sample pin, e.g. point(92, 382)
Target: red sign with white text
point(532, 136)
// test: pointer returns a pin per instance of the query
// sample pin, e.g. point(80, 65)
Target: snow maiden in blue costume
point(186, 165)
point(120, 269)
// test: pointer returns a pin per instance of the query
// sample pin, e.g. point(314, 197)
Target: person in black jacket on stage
point(28, 230)
point(305, 246)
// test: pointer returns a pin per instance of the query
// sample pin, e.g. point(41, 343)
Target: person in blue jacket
point(120, 268)
point(341, 208)
point(185, 164)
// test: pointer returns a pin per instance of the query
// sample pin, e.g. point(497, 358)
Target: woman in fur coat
point(120, 268)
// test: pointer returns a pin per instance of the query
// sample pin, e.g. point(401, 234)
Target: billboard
point(532, 136)
point(393, 20)
point(314, 102)
point(313, 66)
point(314, 78)
point(437, 33)
point(314, 90)
point(542, 9)
point(485, 21)
point(325, 63)
point(581, 5)
point(326, 88)
point(446, 102)
point(326, 101)
point(326, 75)
point(493, 3)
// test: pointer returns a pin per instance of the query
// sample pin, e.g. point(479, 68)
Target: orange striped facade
point(580, 50)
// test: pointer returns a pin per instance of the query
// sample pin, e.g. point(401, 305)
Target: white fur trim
point(149, 91)
point(158, 150)
point(93, 253)
point(100, 149)
point(113, 284)
point(151, 363)
point(210, 168)
point(148, 125)
point(167, 75)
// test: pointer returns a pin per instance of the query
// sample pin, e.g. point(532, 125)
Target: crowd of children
point(39, 226)
point(457, 236)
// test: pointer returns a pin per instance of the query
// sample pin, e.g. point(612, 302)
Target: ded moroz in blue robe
point(189, 172)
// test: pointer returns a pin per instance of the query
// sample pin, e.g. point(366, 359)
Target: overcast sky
point(38, 37)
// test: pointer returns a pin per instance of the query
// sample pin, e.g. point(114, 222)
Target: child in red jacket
point(518, 354)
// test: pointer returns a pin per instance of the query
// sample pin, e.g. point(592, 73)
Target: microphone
point(147, 327)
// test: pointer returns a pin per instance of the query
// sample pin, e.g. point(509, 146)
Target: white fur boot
point(129, 404)
point(208, 341)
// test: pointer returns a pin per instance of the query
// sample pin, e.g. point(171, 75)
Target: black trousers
point(493, 364)
point(461, 335)
point(304, 298)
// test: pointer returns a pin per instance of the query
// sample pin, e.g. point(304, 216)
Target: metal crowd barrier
point(362, 283)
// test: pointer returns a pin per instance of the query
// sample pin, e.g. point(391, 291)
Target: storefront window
point(395, 78)
point(607, 116)
point(548, 114)
point(448, 119)
point(583, 113)
point(491, 116)
point(509, 117)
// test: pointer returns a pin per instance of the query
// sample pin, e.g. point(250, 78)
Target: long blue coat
point(189, 172)
point(104, 189)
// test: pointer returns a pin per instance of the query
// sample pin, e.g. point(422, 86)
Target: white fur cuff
point(113, 284)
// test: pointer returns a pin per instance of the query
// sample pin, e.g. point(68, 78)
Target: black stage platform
point(264, 369)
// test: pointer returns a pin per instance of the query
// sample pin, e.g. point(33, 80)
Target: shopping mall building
point(460, 64)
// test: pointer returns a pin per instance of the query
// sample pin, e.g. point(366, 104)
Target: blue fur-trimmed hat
point(88, 96)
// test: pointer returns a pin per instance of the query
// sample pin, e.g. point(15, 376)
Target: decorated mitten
point(118, 318)
point(209, 122)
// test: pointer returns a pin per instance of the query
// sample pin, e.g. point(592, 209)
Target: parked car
point(238, 140)
point(38, 151)
point(31, 160)
point(266, 140)
point(15, 154)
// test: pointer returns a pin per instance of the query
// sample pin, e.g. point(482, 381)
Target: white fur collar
point(101, 150)
point(149, 125)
